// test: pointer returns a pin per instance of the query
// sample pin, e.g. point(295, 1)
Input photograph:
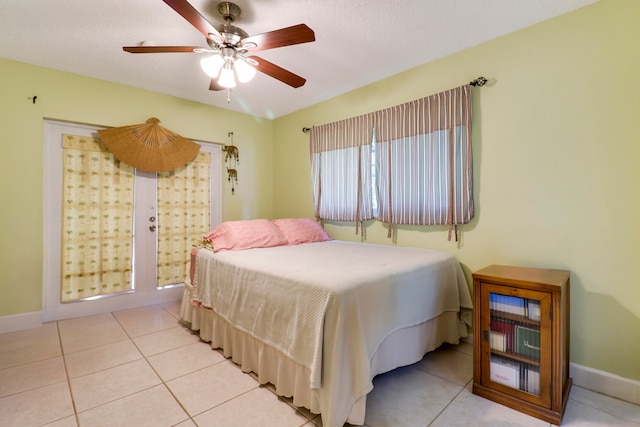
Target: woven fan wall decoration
point(149, 146)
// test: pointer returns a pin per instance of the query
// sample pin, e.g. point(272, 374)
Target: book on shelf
point(498, 341)
point(507, 304)
point(533, 309)
point(505, 328)
point(532, 381)
point(505, 373)
point(527, 342)
point(493, 301)
point(517, 375)
point(529, 308)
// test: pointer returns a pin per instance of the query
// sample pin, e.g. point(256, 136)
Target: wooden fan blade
point(278, 73)
point(159, 49)
point(194, 17)
point(215, 86)
point(283, 37)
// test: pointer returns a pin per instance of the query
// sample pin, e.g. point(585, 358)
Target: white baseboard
point(605, 383)
point(18, 322)
point(599, 381)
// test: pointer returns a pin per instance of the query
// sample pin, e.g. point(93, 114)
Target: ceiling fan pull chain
point(228, 96)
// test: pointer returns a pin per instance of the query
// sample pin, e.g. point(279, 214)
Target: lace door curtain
point(183, 216)
point(341, 169)
point(97, 215)
point(424, 161)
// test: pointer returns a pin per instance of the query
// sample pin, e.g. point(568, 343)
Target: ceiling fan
point(229, 47)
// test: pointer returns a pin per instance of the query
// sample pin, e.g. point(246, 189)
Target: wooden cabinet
point(521, 339)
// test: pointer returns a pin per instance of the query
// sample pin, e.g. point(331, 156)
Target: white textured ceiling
point(357, 41)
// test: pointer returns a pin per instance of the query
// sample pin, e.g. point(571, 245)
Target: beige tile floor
point(141, 368)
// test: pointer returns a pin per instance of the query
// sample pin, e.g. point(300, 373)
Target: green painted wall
point(556, 154)
point(69, 97)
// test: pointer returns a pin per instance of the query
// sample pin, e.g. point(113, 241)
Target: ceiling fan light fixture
point(212, 65)
point(244, 71)
point(226, 76)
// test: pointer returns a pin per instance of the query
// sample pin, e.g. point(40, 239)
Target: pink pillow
point(247, 234)
point(301, 230)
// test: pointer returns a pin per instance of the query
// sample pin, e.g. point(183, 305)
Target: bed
point(320, 318)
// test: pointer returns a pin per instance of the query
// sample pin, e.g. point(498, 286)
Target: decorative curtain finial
point(480, 81)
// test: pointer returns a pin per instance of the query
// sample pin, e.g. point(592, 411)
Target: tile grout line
point(145, 358)
point(447, 405)
point(66, 371)
point(236, 366)
point(206, 367)
point(189, 417)
point(129, 339)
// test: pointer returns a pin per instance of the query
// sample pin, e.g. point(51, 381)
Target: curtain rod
point(479, 82)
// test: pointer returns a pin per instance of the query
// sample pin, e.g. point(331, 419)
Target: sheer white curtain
point(341, 169)
point(424, 161)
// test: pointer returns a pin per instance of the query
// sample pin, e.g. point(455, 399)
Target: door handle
point(152, 228)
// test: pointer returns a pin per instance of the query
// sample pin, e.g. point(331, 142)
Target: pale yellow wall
point(556, 153)
point(556, 148)
point(69, 97)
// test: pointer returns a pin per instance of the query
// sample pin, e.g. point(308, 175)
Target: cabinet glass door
point(514, 331)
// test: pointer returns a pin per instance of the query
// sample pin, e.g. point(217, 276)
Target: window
point(341, 170)
point(412, 163)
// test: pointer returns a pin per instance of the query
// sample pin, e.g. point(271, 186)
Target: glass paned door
point(514, 332)
point(97, 226)
point(183, 212)
point(113, 247)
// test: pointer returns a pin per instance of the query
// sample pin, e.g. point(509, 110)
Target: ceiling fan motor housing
point(231, 34)
point(229, 11)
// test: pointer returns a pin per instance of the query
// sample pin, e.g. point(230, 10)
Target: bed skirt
point(292, 379)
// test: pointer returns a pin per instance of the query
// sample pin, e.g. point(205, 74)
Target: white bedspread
point(329, 305)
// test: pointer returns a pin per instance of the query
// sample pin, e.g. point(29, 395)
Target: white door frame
point(145, 292)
